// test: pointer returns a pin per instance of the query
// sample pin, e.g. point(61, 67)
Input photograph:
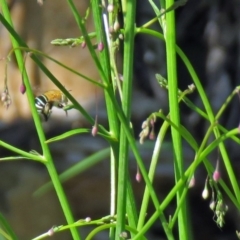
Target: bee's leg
point(47, 110)
point(46, 116)
point(62, 106)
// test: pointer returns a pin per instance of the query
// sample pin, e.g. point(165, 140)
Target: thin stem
point(129, 22)
point(50, 166)
point(174, 114)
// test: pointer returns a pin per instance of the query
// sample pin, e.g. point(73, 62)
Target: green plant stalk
point(112, 116)
point(23, 153)
point(207, 106)
point(181, 183)
point(109, 94)
point(154, 161)
point(129, 36)
point(50, 166)
point(5, 225)
point(174, 114)
point(113, 43)
point(198, 152)
point(80, 22)
point(78, 168)
point(210, 114)
point(121, 117)
point(120, 114)
point(106, 62)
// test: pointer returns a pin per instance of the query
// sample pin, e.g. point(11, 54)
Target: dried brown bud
point(5, 98)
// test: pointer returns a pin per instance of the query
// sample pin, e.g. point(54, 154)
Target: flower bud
point(138, 177)
point(110, 8)
point(144, 124)
point(83, 44)
point(123, 235)
point(191, 87)
point(116, 26)
point(51, 232)
point(191, 182)
point(212, 205)
point(100, 46)
point(152, 135)
point(120, 36)
point(111, 30)
point(216, 175)
point(3, 96)
point(205, 193)
point(94, 130)
point(22, 88)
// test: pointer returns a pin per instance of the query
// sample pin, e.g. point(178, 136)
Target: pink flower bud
point(94, 130)
point(100, 47)
point(51, 232)
point(138, 177)
point(216, 175)
point(22, 88)
point(95, 127)
point(152, 135)
point(191, 182)
point(83, 44)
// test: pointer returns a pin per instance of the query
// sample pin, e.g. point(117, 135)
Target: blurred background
point(207, 31)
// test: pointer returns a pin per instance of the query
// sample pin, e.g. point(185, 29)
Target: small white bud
point(205, 193)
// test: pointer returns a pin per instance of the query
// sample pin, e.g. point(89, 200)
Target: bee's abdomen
point(40, 102)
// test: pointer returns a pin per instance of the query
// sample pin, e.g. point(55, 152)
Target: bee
point(45, 102)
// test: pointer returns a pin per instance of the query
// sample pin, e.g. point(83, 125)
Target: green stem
point(129, 23)
point(174, 114)
point(50, 166)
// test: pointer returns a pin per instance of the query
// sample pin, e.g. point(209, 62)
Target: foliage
point(124, 220)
